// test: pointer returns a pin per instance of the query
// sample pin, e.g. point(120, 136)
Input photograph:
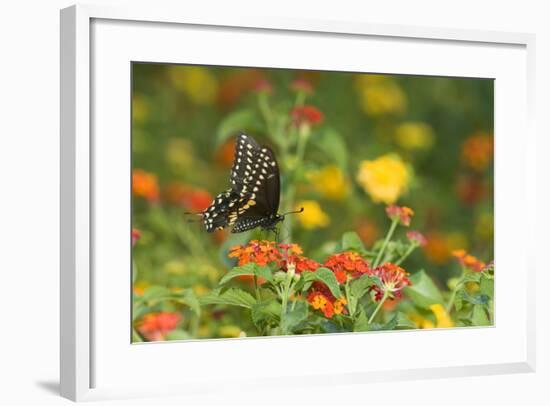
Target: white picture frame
point(79, 352)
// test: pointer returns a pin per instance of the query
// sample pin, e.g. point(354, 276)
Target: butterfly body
point(253, 199)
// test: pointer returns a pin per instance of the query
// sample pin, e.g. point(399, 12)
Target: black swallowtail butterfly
point(253, 200)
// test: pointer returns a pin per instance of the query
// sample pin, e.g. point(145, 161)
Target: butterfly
point(253, 199)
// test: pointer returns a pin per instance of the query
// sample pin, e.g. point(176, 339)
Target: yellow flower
point(420, 321)
point(179, 155)
point(196, 82)
point(175, 267)
point(140, 108)
point(330, 182)
point(200, 290)
point(385, 178)
point(379, 95)
point(442, 317)
point(229, 331)
point(313, 216)
point(414, 135)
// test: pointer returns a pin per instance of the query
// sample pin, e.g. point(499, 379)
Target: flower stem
point(257, 289)
point(406, 254)
point(378, 307)
point(386, 241)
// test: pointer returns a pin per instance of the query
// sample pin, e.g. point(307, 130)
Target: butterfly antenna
point(294, 212)
point(199, 213)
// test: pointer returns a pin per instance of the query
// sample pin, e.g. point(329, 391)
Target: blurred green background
point(419, 141)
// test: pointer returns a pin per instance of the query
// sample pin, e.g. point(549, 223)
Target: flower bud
point(279, 276)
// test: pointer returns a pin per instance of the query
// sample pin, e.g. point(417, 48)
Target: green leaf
point(248, 269)
point(361, 322)
point(351, 241)
point(459, 299)
point(178, 335)
point(326, 276)
point(233, 123)
point(269, 310)
point(232, 297)
point(334, 147)
point(487, 286)
point(423, 291)
point(479, 316)
point(471, 277)
point(191, 300)
point(478, 299)
point(361, 285)
point(155, 294)
point(293, 317)
point(402, 321)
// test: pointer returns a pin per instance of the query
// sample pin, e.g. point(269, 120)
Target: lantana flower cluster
point(346, 266)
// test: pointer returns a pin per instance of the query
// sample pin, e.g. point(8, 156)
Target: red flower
point(193, 199)
point(417, 238)
point(468, 261)
point(347, 264)
point(393, 279)
point(263, 86)
point(306, 115)
point(402, 214)
point(301, 85)
point(155, 326)
point(135, 236)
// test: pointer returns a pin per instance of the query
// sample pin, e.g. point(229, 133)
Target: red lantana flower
point(263, 85)
point(393, 279)
point(136, 234)
point(468, 261)
point(417, 238)
point(155, 326)
point(301, 85)
point(306, 115)
point(347, 264)
point(402, 214)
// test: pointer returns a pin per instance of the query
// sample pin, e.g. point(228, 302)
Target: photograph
point(277, 202)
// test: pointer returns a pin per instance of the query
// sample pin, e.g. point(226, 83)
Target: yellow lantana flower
point(330, 182)
point(385, 178)
point(442, 317)
point(414, 135)
point(379, 94)
point(313, 216)
point(196, 82)
point(230, 331)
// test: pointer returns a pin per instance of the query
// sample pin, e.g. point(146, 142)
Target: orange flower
point(393, 279)
point(144, 184)
point(321, 299)
point(225, 153)
point(402, 214)
point(258, 252)
point(234, 85)
point(477, 151)
point(468, 261)
point(471, 190)
point(135, 236)
point(155, 326)
point(347, 264)
point(306, 115)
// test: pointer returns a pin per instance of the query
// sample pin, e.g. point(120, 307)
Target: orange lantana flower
point(155, 326)
point(144, 184)
point(346, 264)
point(468, 261)
point(402, 214)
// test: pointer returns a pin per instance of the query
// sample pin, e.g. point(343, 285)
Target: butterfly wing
point(255, 190)
point(223, 211)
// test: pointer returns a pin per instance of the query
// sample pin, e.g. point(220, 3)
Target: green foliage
point(232, 297)
point(423, 292)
